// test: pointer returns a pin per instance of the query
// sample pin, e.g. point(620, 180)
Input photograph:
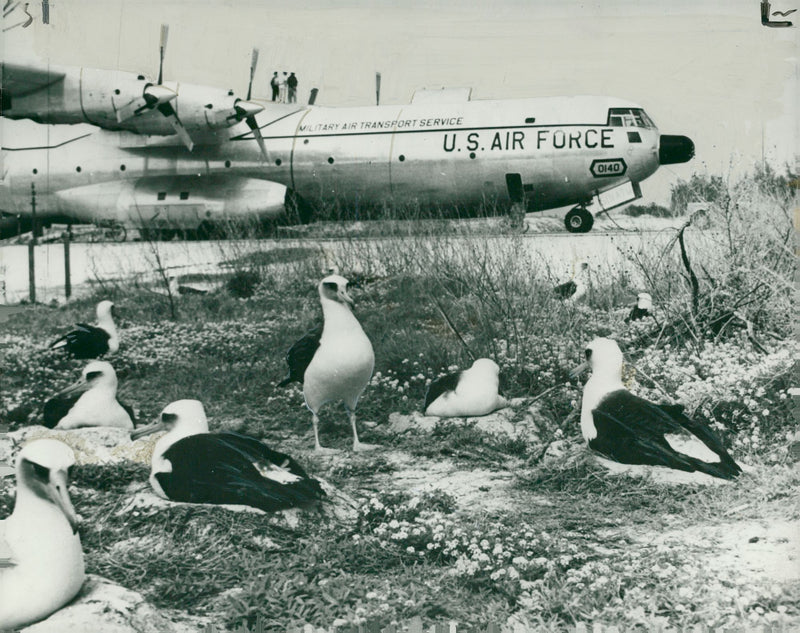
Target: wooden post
point(67, 280)
point(33, 214)
point(31, 272)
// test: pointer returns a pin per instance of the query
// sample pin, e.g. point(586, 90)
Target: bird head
point(97, 374)
point(334, 288)
point(603, 356)
point(43, 467)
point(486, 365)
point(180, 418)
point(106, 309)
point(644, 301)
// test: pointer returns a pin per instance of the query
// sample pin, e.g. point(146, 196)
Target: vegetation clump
point(572, 543)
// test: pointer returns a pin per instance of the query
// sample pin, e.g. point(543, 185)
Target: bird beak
point(148, 430)
point(60, 496)
point(78, 387)
point(346, 297)
point(577, 371)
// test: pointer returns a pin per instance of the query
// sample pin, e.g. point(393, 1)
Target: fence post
point(67, 277)
point(31, 272)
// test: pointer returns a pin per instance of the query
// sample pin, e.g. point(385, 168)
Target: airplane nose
point(675, 149)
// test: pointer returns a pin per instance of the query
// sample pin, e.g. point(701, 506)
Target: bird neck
point(106, 321)
point(35, 510)
point(337, 315)
point(598, 385)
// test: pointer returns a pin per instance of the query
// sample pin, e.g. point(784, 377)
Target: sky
point(707, 69)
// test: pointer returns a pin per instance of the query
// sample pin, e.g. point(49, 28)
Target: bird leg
point(358, 446)
point(317, 446)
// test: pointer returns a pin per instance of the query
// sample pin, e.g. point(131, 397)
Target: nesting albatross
point(472, 392)
point(335, 362)
point(41, 561)
point(91, 401)
point(192, 465)
point(644, 303)
point(89, 341)
point(576, 287)
point(632, 430)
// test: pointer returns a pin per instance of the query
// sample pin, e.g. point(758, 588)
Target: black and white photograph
point(399, 316)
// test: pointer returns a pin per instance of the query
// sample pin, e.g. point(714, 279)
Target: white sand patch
point(473, 488)
point(752, 550)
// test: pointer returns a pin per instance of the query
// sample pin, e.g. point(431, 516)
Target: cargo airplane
point(120, 149)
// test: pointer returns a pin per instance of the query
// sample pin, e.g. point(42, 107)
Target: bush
point(243, 284)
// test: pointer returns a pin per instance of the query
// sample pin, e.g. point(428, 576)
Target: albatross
point(644, 303)
point(192, 465)
point(472, 392)
point(631, 430)
point(91, 401)
point(334, 362)
point(576, 287)
point(89, 341)
point(41, 561)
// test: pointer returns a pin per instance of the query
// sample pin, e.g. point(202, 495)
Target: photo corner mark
point(766, 16)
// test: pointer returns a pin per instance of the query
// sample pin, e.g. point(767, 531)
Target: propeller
point(158, 97)
point(246, 110)
point(312, 97)
point(377, 88)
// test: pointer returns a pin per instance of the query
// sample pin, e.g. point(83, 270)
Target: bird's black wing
point(129, 410)
point(637, 313)
point(440, 386)
point(210, 468)
point(258, 451)
point(87, 341)
point(703, 432)
point(632, 430)
point(56, 408)
point(566, 290)
point(300, 354)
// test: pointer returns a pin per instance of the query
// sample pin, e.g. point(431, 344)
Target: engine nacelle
point(175, 202)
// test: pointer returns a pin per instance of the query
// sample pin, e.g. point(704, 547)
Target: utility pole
point(31, 249)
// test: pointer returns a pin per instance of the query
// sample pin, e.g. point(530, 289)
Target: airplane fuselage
point(542, 153)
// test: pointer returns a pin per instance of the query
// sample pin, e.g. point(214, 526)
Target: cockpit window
point(629, 117)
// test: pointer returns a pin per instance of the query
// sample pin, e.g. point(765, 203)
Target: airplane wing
point(120, 100)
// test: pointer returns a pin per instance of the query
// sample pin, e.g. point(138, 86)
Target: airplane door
point(515, 189)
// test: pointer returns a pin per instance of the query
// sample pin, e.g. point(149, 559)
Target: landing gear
point(578, 220)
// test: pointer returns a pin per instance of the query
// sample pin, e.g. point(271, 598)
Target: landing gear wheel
point(118, 233)
point(578, 220)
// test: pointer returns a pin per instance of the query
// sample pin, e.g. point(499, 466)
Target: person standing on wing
point(275, 84)
point(283, 87)
point(291, 83)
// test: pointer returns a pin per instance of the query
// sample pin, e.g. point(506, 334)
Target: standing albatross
point(89, 341)
point(334, 363)
point(41, 560)
point(190, 464)
point(91, 401)
point(631, 430)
